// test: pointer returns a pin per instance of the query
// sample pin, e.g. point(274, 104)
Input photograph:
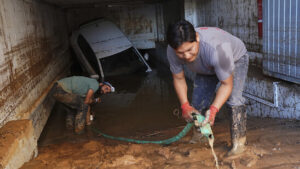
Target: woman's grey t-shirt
point(218, 50)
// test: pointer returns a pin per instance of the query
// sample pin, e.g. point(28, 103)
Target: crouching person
point(76, 93)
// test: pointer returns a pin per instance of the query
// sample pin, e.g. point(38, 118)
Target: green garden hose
point(205, 130)
point(167, 141)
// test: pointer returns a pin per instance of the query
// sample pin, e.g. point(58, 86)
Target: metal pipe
point(142, 58)
point(266, 102)
point(259, 18)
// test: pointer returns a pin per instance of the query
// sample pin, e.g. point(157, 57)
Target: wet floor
point(272, 144)
point(142, 104)
point(142, 108)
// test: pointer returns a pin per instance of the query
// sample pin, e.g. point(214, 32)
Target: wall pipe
point(259, 18)
point(266, 102)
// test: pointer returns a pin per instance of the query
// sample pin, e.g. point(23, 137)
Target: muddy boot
point(70, 121)
point(79, 122)
point(69, 118)
point(80, 119)
point(238, 129)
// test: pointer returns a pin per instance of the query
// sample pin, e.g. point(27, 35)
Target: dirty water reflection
point(141, 107)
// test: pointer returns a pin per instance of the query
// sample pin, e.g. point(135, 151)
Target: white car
point(103, 50)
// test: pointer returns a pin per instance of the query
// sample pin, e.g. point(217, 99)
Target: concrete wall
point(266, 101)
point(239, 17)
point(173, 11)
point(141, 23)
point(22, 146)
point(34, 52)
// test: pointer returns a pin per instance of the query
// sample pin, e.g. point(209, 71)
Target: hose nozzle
point(204, 129)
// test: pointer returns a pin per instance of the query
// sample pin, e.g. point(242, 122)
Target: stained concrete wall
point(173, 11)
point(141, 23)
point(34, 52)
point(239, 17)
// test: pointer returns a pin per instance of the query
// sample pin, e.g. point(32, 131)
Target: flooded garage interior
point(36, 50)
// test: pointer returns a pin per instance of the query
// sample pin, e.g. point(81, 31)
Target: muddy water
point(142, 108)
point(142, 105)
point(271, 144)
point(211, 144)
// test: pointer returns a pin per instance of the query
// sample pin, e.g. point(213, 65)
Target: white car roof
point(105, 38)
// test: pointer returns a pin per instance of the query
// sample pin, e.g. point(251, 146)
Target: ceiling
point(98, 3)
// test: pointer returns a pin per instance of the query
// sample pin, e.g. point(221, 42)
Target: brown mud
point(271, 144)
point(145, 112)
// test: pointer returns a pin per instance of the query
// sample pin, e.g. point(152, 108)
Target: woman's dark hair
point(180, 32)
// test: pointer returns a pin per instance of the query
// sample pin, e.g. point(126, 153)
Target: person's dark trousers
point(70, 117)
point(72, 101)
point(237, 107)
point(204, 93)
